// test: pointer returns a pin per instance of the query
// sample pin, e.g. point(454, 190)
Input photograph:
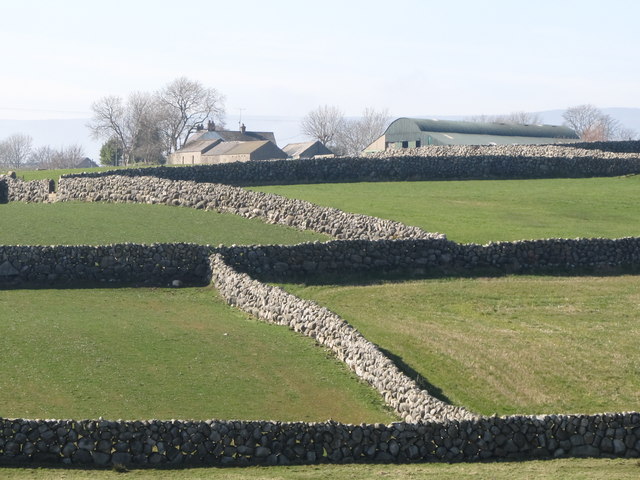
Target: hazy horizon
point(58, 133)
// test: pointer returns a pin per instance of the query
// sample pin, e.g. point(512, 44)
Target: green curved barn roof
point(406, 125)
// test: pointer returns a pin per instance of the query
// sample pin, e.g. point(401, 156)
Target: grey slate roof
point(306, 149)
point(230, 136)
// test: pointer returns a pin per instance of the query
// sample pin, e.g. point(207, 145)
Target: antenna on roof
point(240, 119)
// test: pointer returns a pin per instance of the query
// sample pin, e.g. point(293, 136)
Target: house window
point(418, 144)
point(405, 144)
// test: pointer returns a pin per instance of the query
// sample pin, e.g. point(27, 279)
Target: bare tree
point(357, 134)
point(69, 156)
point(15, 150)
point(323, 124)
point(515, 118)
point(43, 156)
point(521, 118)
point(592, 124)
point(184, 105)
point(112, 118)
point(66, 157)
point(625, 133)
point(110, 121)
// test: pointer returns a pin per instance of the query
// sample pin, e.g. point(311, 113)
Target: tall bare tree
point(184, 105)
point(324, 124)
point(585, 120)
point(113, 118)
point(592, 124)
point(15, 150)
point(357, 134)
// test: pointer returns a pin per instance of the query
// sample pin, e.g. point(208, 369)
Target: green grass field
point(506, 345)
point(492, 210)
point(510, 345)
point(76, 223)
point(566, 469)
point(28, 175)
point(165, 353)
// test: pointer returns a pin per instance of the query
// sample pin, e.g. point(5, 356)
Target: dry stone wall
point(432, 430)
point(425, 163)
point(242, 443)
point(434, 257)
point(624, 146)
point(156, 264)
point(274, 305)
point(15, 190)
point(228, 199)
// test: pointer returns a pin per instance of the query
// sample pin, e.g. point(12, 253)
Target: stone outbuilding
point(226, 152)
point(313, 149)
point(224, 146)
point(416, 132)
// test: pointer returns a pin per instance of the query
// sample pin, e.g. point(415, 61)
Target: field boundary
point(431, 430)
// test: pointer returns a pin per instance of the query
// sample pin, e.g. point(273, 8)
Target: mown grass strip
point(75, 223)
point(511, 345)
point(165, 353)
point(491, 210)
point(566, 469)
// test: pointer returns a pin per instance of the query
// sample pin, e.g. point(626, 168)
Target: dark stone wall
point(624, 146)
point(4, 190)
point(243, 443)
point(156, 264)
point(427, 163)
point(434, 257)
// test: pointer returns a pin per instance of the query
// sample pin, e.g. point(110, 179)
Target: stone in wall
point(15, 190)
point(156, 264)
point(425, 163)
point(173, 443)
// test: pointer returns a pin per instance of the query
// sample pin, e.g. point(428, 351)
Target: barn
point(415, 132)
point(223, 146)
point(313, 149)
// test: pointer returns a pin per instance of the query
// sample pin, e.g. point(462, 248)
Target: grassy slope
point(103, 223)
point(55, 174)
point(568, 469)
point(165, 353)
point(485, 210)
point(507, 345)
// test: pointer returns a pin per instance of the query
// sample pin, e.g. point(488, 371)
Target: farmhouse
point(223, 146)
point(415, 132)
point(307, 150)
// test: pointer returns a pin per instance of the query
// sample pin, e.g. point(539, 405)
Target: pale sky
point(282, 57)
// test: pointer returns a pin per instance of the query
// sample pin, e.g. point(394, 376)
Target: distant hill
point(628, 117)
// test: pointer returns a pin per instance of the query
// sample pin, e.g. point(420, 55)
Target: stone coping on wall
point(425, 163)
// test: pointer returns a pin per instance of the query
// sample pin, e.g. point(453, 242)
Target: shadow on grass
point(92, 285)
point(422, 382)
point(366, 279)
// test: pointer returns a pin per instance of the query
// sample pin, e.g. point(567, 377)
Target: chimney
point(211, 126)
point(243, 128)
